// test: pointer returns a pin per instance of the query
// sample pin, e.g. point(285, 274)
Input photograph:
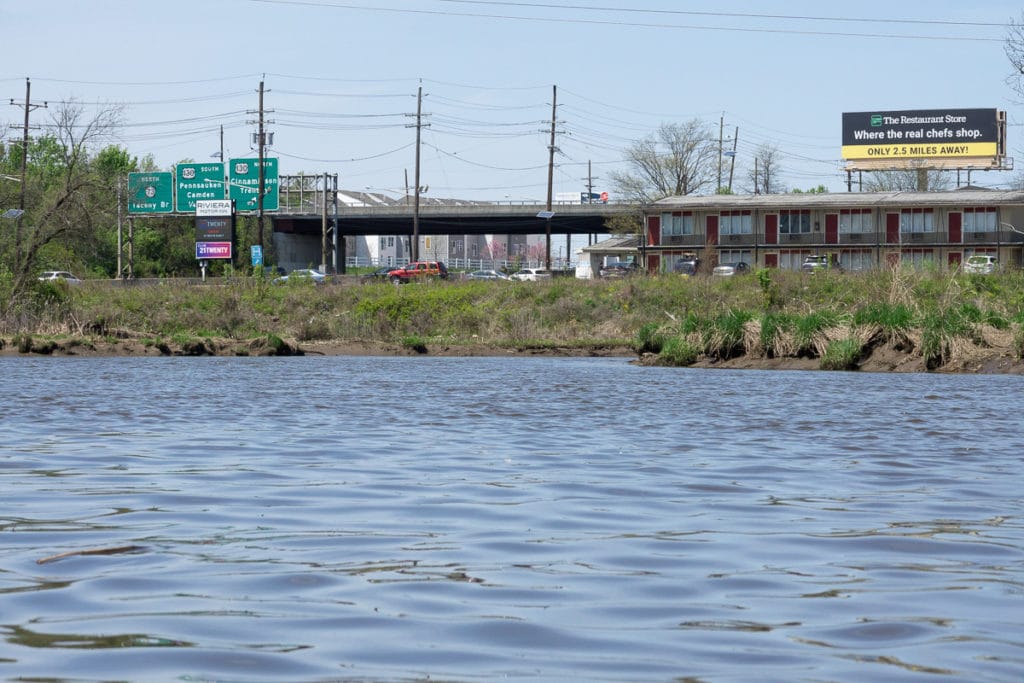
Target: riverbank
point(883, 321)
point(995, 359)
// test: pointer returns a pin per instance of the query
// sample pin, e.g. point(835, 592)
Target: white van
point(981, 263)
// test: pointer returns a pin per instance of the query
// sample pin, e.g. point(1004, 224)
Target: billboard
point(926, 137)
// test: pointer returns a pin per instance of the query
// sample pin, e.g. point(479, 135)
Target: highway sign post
point(197, 182)
point(150, 193)
point(244, 183)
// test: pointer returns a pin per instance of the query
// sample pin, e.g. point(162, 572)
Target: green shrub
point(679, 351)
point(649, 339)
point(895, 320)
point(806, 328)
point(842, 354)
point(414, 343)
point(724, 337)
point(773, 327)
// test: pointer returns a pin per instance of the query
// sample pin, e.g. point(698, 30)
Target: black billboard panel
point(922, 134)
point(215, 229)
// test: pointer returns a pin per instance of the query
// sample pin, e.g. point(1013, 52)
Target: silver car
point(531, 274)
point(60, 276)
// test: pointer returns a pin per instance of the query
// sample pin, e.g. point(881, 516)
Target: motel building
point(861, 231)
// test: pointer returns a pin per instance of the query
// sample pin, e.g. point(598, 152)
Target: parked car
point(301, 274)
point(619, 269)
point(816, 262)
point(273, 270)
point(685, 267)
point(981, 263)
point(418, 270)
point(60, 276)
point(531, 274)
point(730, 269)
point(486, 275)
point(379, 274)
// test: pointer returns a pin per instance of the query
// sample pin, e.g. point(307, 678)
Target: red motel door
point(831, 228)
point(654, 230)
point(771, 228)
point(956, 229)
point(892, 228)
point(711, 229)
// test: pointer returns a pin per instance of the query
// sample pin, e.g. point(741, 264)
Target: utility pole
point(323, 230)
point(732, 159)
point(416, 179)
point(721, 125)
point(590, 197)
point(551, 176)
point(262, 180)
point(260, 138)
point(28, 107)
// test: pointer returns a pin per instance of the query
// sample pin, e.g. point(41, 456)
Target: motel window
point(917, 220)
point(856, 221)
point(391, 241)
point(980, 219)
point(676, 224)
point(383, 243)
point(794, 222)
point(791, 260)
point(735, 223)
point(735, 256)
point(918, 258)
point(857, 259)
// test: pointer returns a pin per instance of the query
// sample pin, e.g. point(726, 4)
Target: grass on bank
point(837, 318)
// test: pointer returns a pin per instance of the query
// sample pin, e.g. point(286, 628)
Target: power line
point(619, 23)
point(731, 15)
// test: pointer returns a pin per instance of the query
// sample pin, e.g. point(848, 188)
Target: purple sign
point(213, 250)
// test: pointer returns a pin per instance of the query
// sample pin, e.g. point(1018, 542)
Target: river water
point(523, 519)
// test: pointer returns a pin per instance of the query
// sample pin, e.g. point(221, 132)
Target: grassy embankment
point(836, 320)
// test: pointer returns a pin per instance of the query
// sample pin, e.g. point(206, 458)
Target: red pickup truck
point(418, 270)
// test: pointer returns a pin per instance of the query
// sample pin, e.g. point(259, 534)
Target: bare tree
point(64, 187)
point(1014, 49)
point(919, 179)
point(765, 176)
point(677, 159)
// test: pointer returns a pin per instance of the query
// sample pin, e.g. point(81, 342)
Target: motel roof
point(840, 200)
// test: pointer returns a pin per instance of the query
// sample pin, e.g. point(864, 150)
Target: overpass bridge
point(440, 218)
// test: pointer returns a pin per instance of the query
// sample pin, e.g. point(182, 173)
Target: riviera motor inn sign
point(895, 138)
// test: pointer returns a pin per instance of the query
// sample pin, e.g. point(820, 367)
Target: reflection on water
point(397, 519)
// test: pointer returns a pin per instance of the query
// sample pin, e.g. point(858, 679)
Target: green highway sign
point(244, 183)
point(197, 182)
point(150, 193)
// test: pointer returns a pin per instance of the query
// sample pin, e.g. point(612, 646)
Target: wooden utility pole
point(323, 231)
point(416, 179)
point(732, 160)
point(551, 177)
point(721, 125)
point(261, 141)
point(28, 107)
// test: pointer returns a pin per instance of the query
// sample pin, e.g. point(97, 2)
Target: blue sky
point(341, 80)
